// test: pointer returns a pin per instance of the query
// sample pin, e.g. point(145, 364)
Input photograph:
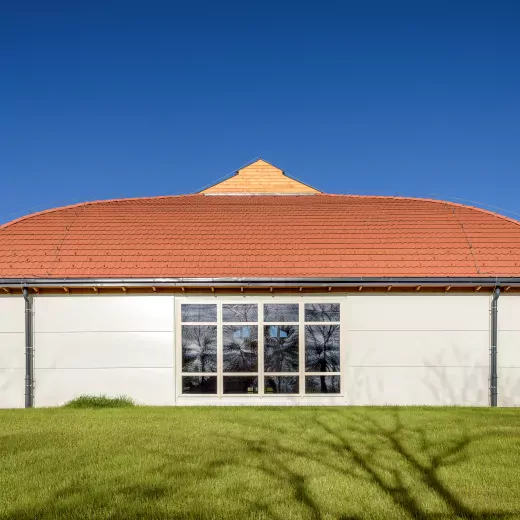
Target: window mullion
point(220, 361)
point(301, 336)
point(260, 326)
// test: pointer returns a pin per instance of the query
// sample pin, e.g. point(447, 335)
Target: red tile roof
point(261, 236)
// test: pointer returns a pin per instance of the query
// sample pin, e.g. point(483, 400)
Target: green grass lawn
point(260, 463)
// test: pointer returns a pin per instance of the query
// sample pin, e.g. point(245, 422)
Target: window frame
point(219, 301)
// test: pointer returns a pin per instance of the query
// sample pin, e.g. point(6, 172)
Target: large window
point(199, 349)
point(322, 348)
point(240, 348)
point(260, 348)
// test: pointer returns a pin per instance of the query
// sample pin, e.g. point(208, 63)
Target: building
point(261, 290)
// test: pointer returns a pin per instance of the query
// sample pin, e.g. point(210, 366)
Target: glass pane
point(322, 312)
point(199, 385)
point(240, 385)
point(281, 348)
point(282, 385)
point(322, 384)
point(199, 348)
point(281, 312)
point(240, 312)
point(198, 312)
point(240, 347)
point(322, 348)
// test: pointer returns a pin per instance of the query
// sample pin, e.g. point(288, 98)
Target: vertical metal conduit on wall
point(29, 354)
point(493, 387)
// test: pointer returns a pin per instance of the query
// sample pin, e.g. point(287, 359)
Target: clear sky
point(100, 103)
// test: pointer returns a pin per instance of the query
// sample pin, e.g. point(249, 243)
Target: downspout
point(29, 357)
point(493, 390)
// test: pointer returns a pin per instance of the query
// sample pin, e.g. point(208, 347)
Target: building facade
point(261, 290)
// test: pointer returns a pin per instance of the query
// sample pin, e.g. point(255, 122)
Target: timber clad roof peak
point(269, 236)
point(259, 177)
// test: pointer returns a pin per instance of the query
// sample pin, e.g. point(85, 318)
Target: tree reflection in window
point(322, 348)
point(281, 385)
point(199, 385)
point(322, 384)
point(281, 312)
point(240, 348)
point(199, 348)
point(281, 348)
point(322, 312)
point(198, 312)
point(240, 385)
point(240, 312)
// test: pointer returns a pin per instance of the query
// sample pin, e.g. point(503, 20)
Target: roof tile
point(258, 236)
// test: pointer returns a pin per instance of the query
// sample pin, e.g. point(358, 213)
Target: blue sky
point(98, 103)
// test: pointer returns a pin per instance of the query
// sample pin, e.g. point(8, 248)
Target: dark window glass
point(240, 348)
point(322, 384)
point(322, 312)
point(198, 312)
point(199, 348)
point(281, 385)
point(199, 385)
point(281, 348)
point(240, 385)
point(322, 348)
point(240, 312)
point(281, 312)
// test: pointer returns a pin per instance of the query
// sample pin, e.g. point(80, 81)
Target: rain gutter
point(489, 282)
point(493, 386)
point(29, 353)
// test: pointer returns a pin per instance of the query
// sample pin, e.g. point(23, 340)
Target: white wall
point(418, 349)
point(12, 352)
point(509, 350)
point(399, 349)
point(104, 344)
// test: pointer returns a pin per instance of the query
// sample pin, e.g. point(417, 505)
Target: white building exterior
point(395, 349)
point(261, 290)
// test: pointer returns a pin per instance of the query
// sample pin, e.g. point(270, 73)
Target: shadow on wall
point(461, 384)
point(508, 386)
point(444, 379)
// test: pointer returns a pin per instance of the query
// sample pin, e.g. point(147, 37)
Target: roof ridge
point(230, 175)
point(427, 199)
point(301, 182)
point(159, 197)
point(62, 241)
point(88, 203)
point(469, 243)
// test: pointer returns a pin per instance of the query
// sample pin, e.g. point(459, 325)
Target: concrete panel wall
point(104, 344)
point(399, 349)
point(509, 350)
point(418, 349)
point(12, 352)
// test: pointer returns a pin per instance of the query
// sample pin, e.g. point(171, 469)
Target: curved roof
point(261, 236)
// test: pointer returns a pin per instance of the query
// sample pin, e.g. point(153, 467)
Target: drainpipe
point(29, 357)
point(494, 340)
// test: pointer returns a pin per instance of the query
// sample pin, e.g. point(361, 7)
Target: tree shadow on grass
point(400, 462)
point(400, 466)
point(132, 502)
point(124, 496)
